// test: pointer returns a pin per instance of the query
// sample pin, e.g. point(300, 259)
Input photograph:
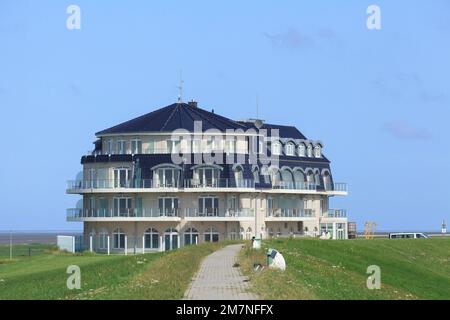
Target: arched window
point(326, 180)
point(241, 233)
point(301, 150)
point(287, 178)
point(238, 176)
point(151, 237)
point(190, 236)
point(248, 233)
point(276, 177)
point(299, 179)
point(290, 149)
point(103, 239)
point(233, 234)
point(170, 239)
point(118, 239)
point(256, 175)
point(318, 151)
point(310, 151)
point(211, 235)
point(317, 177)
point(310, 177)
point(276, 148)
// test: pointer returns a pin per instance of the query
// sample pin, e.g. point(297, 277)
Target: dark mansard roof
point(183, 115)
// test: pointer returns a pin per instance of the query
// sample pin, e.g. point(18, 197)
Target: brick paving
point(217, 279)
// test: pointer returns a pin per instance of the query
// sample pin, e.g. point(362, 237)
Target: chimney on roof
point(192, 103)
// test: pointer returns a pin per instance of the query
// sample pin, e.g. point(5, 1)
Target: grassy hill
point(321, 269)
point(150, 276)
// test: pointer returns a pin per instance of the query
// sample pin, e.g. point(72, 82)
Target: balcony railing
point(122, 213)
point(337, 213)
point(340, 187)
point(115, 184)
point(215, 212)
point(75, 185)
point(219, 183)
point(291, 213)
point(291, 185)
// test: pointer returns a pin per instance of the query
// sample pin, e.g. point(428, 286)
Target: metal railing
point(116, 184)
point(76, 213)
point(291, 213)
point(336, 213)
point(219, 183)
point(292, 185)
point(76, 185)
point(215, 212)
point(340, 187)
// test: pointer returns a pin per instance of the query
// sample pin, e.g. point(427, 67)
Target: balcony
point(219, 183)
point(289, 214)
point(122, 214)
point(76, 186)
point(192, 185)
point(291, 185)
point(336, 213)
point(218, 215)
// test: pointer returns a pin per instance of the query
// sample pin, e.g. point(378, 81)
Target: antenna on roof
point(180, 87)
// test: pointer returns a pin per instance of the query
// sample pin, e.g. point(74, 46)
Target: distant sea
point(27, 237)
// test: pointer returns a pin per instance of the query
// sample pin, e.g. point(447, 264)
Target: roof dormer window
point(301, 150)
point(310, 151)
point(317, 151)
point(290, 149)
point(276, 148)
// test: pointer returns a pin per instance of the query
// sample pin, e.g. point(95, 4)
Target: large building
point(182, 175)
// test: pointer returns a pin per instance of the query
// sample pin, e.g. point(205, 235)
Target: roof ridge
point(169, 117)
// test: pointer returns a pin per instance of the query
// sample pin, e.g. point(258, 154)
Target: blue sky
point(378, 99)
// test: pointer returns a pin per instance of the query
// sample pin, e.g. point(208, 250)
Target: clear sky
point(378, 99)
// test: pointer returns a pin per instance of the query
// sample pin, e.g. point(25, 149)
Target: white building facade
point(181, 175)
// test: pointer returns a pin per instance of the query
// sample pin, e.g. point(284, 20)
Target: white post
point(143, 244)
point(10, 245)
point(90, 243)
point(334, 231)
point(179, 241)
point(108, 245)
point(196, 239)
point(161, 243)
point(126, 245)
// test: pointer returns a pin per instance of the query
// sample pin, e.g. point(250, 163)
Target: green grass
point(150, 276)
point(319, 269)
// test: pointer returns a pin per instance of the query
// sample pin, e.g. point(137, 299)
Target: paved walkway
point(217, 279)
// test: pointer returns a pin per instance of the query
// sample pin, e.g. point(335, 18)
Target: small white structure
point(276, 260)
point(444, 227)
point(66, 243)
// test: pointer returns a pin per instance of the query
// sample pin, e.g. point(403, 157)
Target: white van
point(407, 235)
